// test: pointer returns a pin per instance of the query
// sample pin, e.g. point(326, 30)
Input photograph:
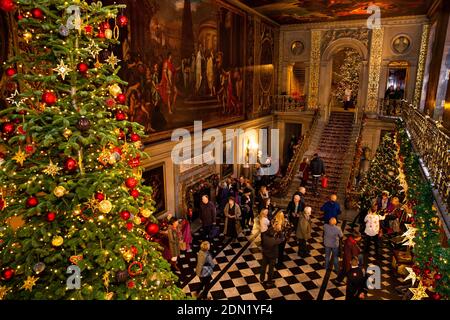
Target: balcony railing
point(285, 103)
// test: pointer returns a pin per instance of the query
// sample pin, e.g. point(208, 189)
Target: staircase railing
point(281, 188)
point(284, 103)
point(432, 143)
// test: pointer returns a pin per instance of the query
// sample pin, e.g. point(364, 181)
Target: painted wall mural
point(184, 60)
point(304, 11)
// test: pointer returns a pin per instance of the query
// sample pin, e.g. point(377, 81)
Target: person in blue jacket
point(331, 208)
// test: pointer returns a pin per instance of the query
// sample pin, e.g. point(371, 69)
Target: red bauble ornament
point(135, 137)
point(105, 25)
point(32, 202)
point(2, 204)
point(82, 67)
point(19, 16)
point(130, 284)
point(120, 116)
point(37, 13)
point(437, 276)
point(135, 162)
point(427, 271)
point(436, 296)
point(21, 130)
point(100, 34)
point(110, 102)
point(134, 193)
point(123, 21)
point(131, 183)
point(152, 229)
point(49, 98)
point(70, 165)
point(144, 220)
point(29, 148)
point(118, 150)
point(88, 29)
point(51, 216)
point(125, 215)
point(8, 128)
point(134, 250)
point(7, 5)
point(10, 72)
point(121, 134)
point(99, 196)
point(129, 226)
point(121, 98)
point(8, 273)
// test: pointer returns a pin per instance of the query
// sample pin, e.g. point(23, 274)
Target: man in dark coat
point(356, 282)
point(294, 208)
point(351, 249)
point(269, 255)
point(207, 216)
point(317, 168)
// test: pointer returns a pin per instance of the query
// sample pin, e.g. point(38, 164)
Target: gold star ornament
point(3, 292)
point(62, 69)
point(112, 60)
point(29, 283)
point(412, 275)
point(20, 157)
point(52, 169)
point(419, 292)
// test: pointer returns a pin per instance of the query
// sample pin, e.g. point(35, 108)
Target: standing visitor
point(372, 229)
point(356, 282)
point(270, 246)
point(317, 169)
point(247, 209)
point(267, 204)
point(204, 269)
point(232, 219)
point(262, 194)
point(347, 98)
point(207, 216)
point(174, 242)
point(303, 231)
point(303, 172)
point(282, 230)
point(331, 208)
point(351, 249)
point(332, 236)
point(294, 208)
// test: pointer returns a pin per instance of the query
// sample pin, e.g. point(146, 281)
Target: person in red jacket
point(351, 249)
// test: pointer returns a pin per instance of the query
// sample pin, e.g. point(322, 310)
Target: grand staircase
point(333, 142)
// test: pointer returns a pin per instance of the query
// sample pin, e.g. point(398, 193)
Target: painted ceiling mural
point(304, 11)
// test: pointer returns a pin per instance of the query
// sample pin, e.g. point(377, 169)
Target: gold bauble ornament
point(57, 241)
point(108, 33)
point(27, 36)
point(59, 191)
point(127, 255)
point(146, 213)
point(137, 220)
point(112, 159)
point(105, 206)
point(115, 90)
point(67, 133)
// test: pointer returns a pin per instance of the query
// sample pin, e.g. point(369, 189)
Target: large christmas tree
point(71, 164)
point(347, 76)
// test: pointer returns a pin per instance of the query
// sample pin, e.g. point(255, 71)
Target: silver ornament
point(39, 267)
point(63, 31)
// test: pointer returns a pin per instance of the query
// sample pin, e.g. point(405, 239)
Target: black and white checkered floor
point(236, 275)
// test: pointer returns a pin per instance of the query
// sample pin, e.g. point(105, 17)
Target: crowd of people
point(244, 209)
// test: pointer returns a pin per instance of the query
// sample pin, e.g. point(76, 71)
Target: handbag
point(207, 270)
point(324, 182)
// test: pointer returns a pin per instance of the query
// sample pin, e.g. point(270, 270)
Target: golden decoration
point(137, 220)
point(62, 69)
point(146, 213)
point(57, 241)
point(112, 60)
point(60, 191)
point(27, 36)
point(67, 133)
point(20, 157)
point(127, 255)
point(29, 283)
point(76, 259)
point(106, 279)
point(421, 64)
point(314, 70)
point(108, 34)
point(412, 275)
point(109, 295)
point(419, 292)
point(3, 292)
point(376, 57)
point(115, 90)
point(105, 206)
point(104, 156)
point(97, 64)
point(94, 49)
point(52, 169)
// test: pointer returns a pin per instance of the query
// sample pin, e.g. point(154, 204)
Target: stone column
point(421, 65)
point(314, 70)
point(376, 53)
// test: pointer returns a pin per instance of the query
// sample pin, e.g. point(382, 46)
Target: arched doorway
point(334, 57)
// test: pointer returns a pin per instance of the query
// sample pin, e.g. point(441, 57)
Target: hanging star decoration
point(106, 279)
point(419, 292)
point(409, 235)
point(3, 292)
point(20, 157)
point(29, 283)
point(112, 60)
point(412, 275)
point(62, 69)
point(52, 169)
point(97, 64)
point(12, 99)
point(93, 48)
